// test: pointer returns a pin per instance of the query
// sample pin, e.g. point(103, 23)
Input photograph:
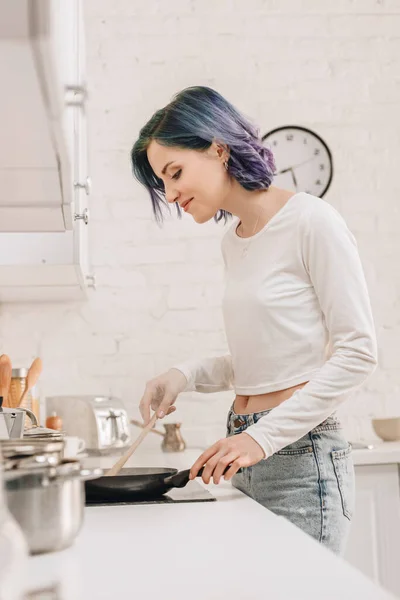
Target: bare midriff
point(245, 405)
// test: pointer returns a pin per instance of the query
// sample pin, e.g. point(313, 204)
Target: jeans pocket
point(289, 451)
point(301, 446)
point(344, 471)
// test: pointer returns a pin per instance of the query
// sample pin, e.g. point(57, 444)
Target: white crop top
point(296, 309)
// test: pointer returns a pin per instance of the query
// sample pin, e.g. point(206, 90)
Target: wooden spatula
point(31, 379)
point(120, 463)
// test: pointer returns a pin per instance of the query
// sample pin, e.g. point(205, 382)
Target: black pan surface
point(137, 482)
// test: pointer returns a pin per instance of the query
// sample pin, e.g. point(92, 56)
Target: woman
point(296, 309)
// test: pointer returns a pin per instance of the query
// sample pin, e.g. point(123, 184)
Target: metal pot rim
point(31, 461)
point(38, 475)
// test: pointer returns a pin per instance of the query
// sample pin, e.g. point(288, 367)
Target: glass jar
point(17, 388)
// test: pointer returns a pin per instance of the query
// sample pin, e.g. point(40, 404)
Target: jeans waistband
point(237, 421)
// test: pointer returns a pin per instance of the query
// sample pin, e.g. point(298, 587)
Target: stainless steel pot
point(48, 503)
point(19, 449)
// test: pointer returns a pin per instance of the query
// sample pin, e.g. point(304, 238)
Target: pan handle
point(200, 473)
point(180, 479)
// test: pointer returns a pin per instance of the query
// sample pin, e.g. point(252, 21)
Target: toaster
point(101, 421)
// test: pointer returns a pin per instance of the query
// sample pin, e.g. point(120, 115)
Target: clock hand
point(299, 165)
point(294, 179)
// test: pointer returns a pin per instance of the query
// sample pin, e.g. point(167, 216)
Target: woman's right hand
point(160, 394)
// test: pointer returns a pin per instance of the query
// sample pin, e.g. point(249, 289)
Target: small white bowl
point(387, 429)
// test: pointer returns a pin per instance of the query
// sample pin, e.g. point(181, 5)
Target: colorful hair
point(193, 119)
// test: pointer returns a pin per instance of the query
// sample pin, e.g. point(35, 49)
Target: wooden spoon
point(4, 358)
point(33, 375)
point(5, 377)
point(120, 463)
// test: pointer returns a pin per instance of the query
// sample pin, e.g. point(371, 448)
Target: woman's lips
point(187, 205)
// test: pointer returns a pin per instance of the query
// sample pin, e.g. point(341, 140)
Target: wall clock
point(303, 160)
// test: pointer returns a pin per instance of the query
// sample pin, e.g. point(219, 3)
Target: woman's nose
point(171, 195)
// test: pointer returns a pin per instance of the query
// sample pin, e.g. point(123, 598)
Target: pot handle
point(32, 417)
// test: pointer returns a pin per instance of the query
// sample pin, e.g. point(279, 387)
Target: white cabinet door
point(55, 266)
point(43, 82)
point(374, 542)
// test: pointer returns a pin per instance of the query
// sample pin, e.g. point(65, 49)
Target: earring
point(226, 165)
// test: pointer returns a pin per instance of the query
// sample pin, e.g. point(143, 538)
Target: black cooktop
point(192, 492)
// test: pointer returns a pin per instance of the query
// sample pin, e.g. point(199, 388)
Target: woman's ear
point(222, 150)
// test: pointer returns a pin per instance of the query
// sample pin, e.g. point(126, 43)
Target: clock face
point(303, 160)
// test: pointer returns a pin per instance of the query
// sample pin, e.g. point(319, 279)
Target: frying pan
point(137, 482)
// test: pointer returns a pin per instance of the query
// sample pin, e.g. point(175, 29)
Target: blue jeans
point(309, 482)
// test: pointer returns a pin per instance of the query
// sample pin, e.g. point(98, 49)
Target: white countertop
point(381, 453)
point(233, 548)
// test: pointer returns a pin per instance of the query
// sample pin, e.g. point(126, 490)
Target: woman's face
point(192, 175)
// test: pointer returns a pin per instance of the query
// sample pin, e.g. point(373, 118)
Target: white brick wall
point(331, 66)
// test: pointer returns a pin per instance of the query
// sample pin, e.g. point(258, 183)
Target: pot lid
point(42, 432)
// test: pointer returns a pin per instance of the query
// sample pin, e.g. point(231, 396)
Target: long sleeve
point(208, 375)
point(330, 258)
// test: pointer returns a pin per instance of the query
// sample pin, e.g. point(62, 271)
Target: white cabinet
point(374, 542)
point(43, 267)
point(41, 77)
point(44, 179)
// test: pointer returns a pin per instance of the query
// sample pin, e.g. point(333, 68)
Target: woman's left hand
point(239, 450)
